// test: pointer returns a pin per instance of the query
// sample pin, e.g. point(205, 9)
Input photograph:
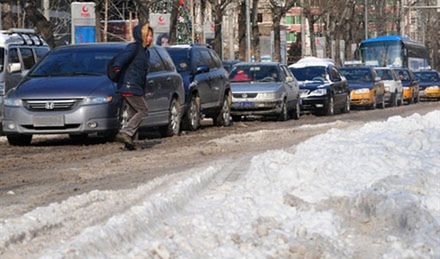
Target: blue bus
point(394, 51)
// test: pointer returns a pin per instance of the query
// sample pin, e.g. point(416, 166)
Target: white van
point(20, 49)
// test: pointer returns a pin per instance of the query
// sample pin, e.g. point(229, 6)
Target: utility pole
point(303, 30)
point(366, 19)
point(1, 19)
point(248, 32)
point(192, 21)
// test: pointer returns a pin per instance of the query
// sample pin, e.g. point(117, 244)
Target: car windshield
point(357, 74)
point(404, 75)
point(74, 62)
point(255, 73)
point(2, 57)
point(427, 77)
point(384, 74)
point(309, 73)
point(180, 58)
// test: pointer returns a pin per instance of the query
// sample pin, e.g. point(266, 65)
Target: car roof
point(258, 63)
point(358, 67)
point(25, 37)
point(312, 62)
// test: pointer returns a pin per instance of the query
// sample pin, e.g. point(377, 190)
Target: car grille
point(245, 95)
point(50, 105)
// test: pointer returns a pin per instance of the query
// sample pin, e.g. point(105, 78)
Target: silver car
point(264, 89)
point(69, 92)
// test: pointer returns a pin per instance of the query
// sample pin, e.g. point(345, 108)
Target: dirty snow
point(368, 192)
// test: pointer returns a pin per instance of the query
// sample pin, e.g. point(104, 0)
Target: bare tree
point(219, 8)
point(43, 26)
point(279, 9)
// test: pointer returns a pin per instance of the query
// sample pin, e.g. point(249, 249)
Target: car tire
point(284, 115)
point(174, 117)
point(373, 106)
point(19, 139)
point(296, 113)
point(330, 108)
point(347, 106)
point(224, 117)
point(382, 102)
point(191, 121)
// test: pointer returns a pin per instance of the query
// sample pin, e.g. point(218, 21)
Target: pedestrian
point(131, 68)
point(163, 40)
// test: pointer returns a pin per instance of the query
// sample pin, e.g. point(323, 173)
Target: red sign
point(161, 20)
point(85, 11)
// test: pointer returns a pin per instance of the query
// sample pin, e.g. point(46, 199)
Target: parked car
point(322, 87)
point(264, 89)
point(366, 88)
point(228, 64)
point(429, 84)
point(393, 86)
point(69, 92)
point(207, 86)
point(20, 49)
point(410, 85)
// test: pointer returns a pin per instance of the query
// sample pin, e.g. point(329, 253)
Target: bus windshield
point(382, 54)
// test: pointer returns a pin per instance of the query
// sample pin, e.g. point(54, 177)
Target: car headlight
point(319, 92)
point(362, 91)
point(13, 102)
point(272, 95)
point(98, 100)
point(435, 87)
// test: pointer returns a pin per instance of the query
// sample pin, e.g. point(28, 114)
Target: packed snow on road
point(367, 191)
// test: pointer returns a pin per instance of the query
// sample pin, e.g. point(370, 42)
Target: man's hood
point(137, 33)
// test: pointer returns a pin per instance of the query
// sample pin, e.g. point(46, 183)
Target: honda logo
point(49, 105)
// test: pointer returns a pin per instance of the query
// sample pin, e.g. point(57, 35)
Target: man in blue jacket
point(132, 65)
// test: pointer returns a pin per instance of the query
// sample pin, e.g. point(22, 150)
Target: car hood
point(312, 85)
point(260, 87)
point(358, 85)
point(65, 87)
point(426, 84)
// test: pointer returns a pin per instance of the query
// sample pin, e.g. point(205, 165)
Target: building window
point(289, 20)
point(260, 17)
point(291, 37)
point(296, 19)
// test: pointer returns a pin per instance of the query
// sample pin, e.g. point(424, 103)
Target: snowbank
point(368, 192)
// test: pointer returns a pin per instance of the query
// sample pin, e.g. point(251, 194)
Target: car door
point(155, 79)
point(291, 85)
point(338, 86)
point(201, 78)
point(218, 77)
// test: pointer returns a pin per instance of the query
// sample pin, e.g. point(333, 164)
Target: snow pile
point(367, 192)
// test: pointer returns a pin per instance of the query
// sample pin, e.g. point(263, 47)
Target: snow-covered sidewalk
point(367, 192)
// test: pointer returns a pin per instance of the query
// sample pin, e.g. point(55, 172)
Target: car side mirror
point(14, 67)
point(202, 69)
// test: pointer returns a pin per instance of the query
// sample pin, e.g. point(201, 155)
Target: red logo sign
point(85, 11)
point(161, 20)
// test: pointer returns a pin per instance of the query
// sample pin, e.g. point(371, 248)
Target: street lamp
point(366, 19)
point(248, 32)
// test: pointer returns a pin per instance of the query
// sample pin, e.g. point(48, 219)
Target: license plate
point(49, 121)
point(245, 104)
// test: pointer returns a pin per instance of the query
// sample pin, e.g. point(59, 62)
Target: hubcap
point(226, 111)
point(331, 105)
point(194, 113)
point(174, 119)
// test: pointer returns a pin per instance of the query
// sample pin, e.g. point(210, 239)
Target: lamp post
point(248, 32)
point(366, 19)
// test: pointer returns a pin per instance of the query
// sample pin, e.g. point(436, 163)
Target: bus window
point(2, 57)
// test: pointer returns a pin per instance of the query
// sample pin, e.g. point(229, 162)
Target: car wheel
point(330, 108)
point(192, 118)
point(224, 117)
point(173, 126)
point(373, 106)
point(297, 111)
point(347, 106)
point(284, 115)
point(382, 102)
point(19, 139)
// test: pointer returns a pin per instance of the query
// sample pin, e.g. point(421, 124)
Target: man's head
point(147, 35)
